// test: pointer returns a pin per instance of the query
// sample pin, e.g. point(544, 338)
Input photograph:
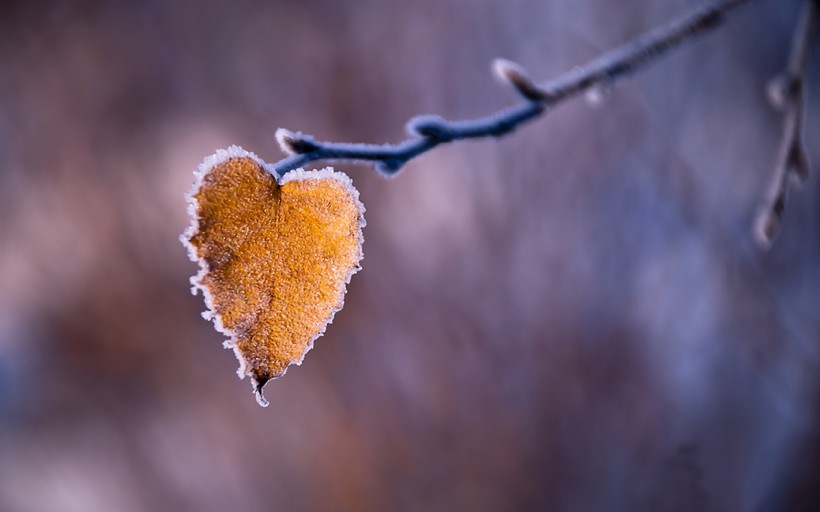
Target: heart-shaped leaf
point(274, 256)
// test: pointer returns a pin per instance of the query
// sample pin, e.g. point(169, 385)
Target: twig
point(787, 92)
point(430, 131)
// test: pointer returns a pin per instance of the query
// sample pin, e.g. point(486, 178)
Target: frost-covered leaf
point(274, 256)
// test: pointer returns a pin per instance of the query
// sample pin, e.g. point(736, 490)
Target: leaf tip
point(257, 391)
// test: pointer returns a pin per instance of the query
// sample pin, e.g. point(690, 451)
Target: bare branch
point(634, 55)
point(787, 92)
point(431, 131)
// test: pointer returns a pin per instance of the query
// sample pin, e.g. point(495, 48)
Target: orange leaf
point(274, 257)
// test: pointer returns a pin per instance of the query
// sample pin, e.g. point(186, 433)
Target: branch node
point(295, 143)
point(782, 90)
point(770, 215)
point(431, 127)
point(766, 228)
point(798, 162)
point(388, 167)
point(513, 74)
point(599, 93)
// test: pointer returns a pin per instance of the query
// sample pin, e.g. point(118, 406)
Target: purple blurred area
point(572, 318)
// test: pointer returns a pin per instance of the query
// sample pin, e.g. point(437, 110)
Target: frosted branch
point(427, 132)
point(787, 92)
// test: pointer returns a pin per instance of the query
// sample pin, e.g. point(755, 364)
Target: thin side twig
point(787, 92)
point(430, 131)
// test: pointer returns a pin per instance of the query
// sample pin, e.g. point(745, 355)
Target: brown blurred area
point(573, 318)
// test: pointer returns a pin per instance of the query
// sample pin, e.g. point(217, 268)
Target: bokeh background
point(573, 318)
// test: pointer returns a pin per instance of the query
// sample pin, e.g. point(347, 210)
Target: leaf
point(274, 256)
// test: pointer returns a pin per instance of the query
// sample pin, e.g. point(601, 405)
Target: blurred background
point(573, 318)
